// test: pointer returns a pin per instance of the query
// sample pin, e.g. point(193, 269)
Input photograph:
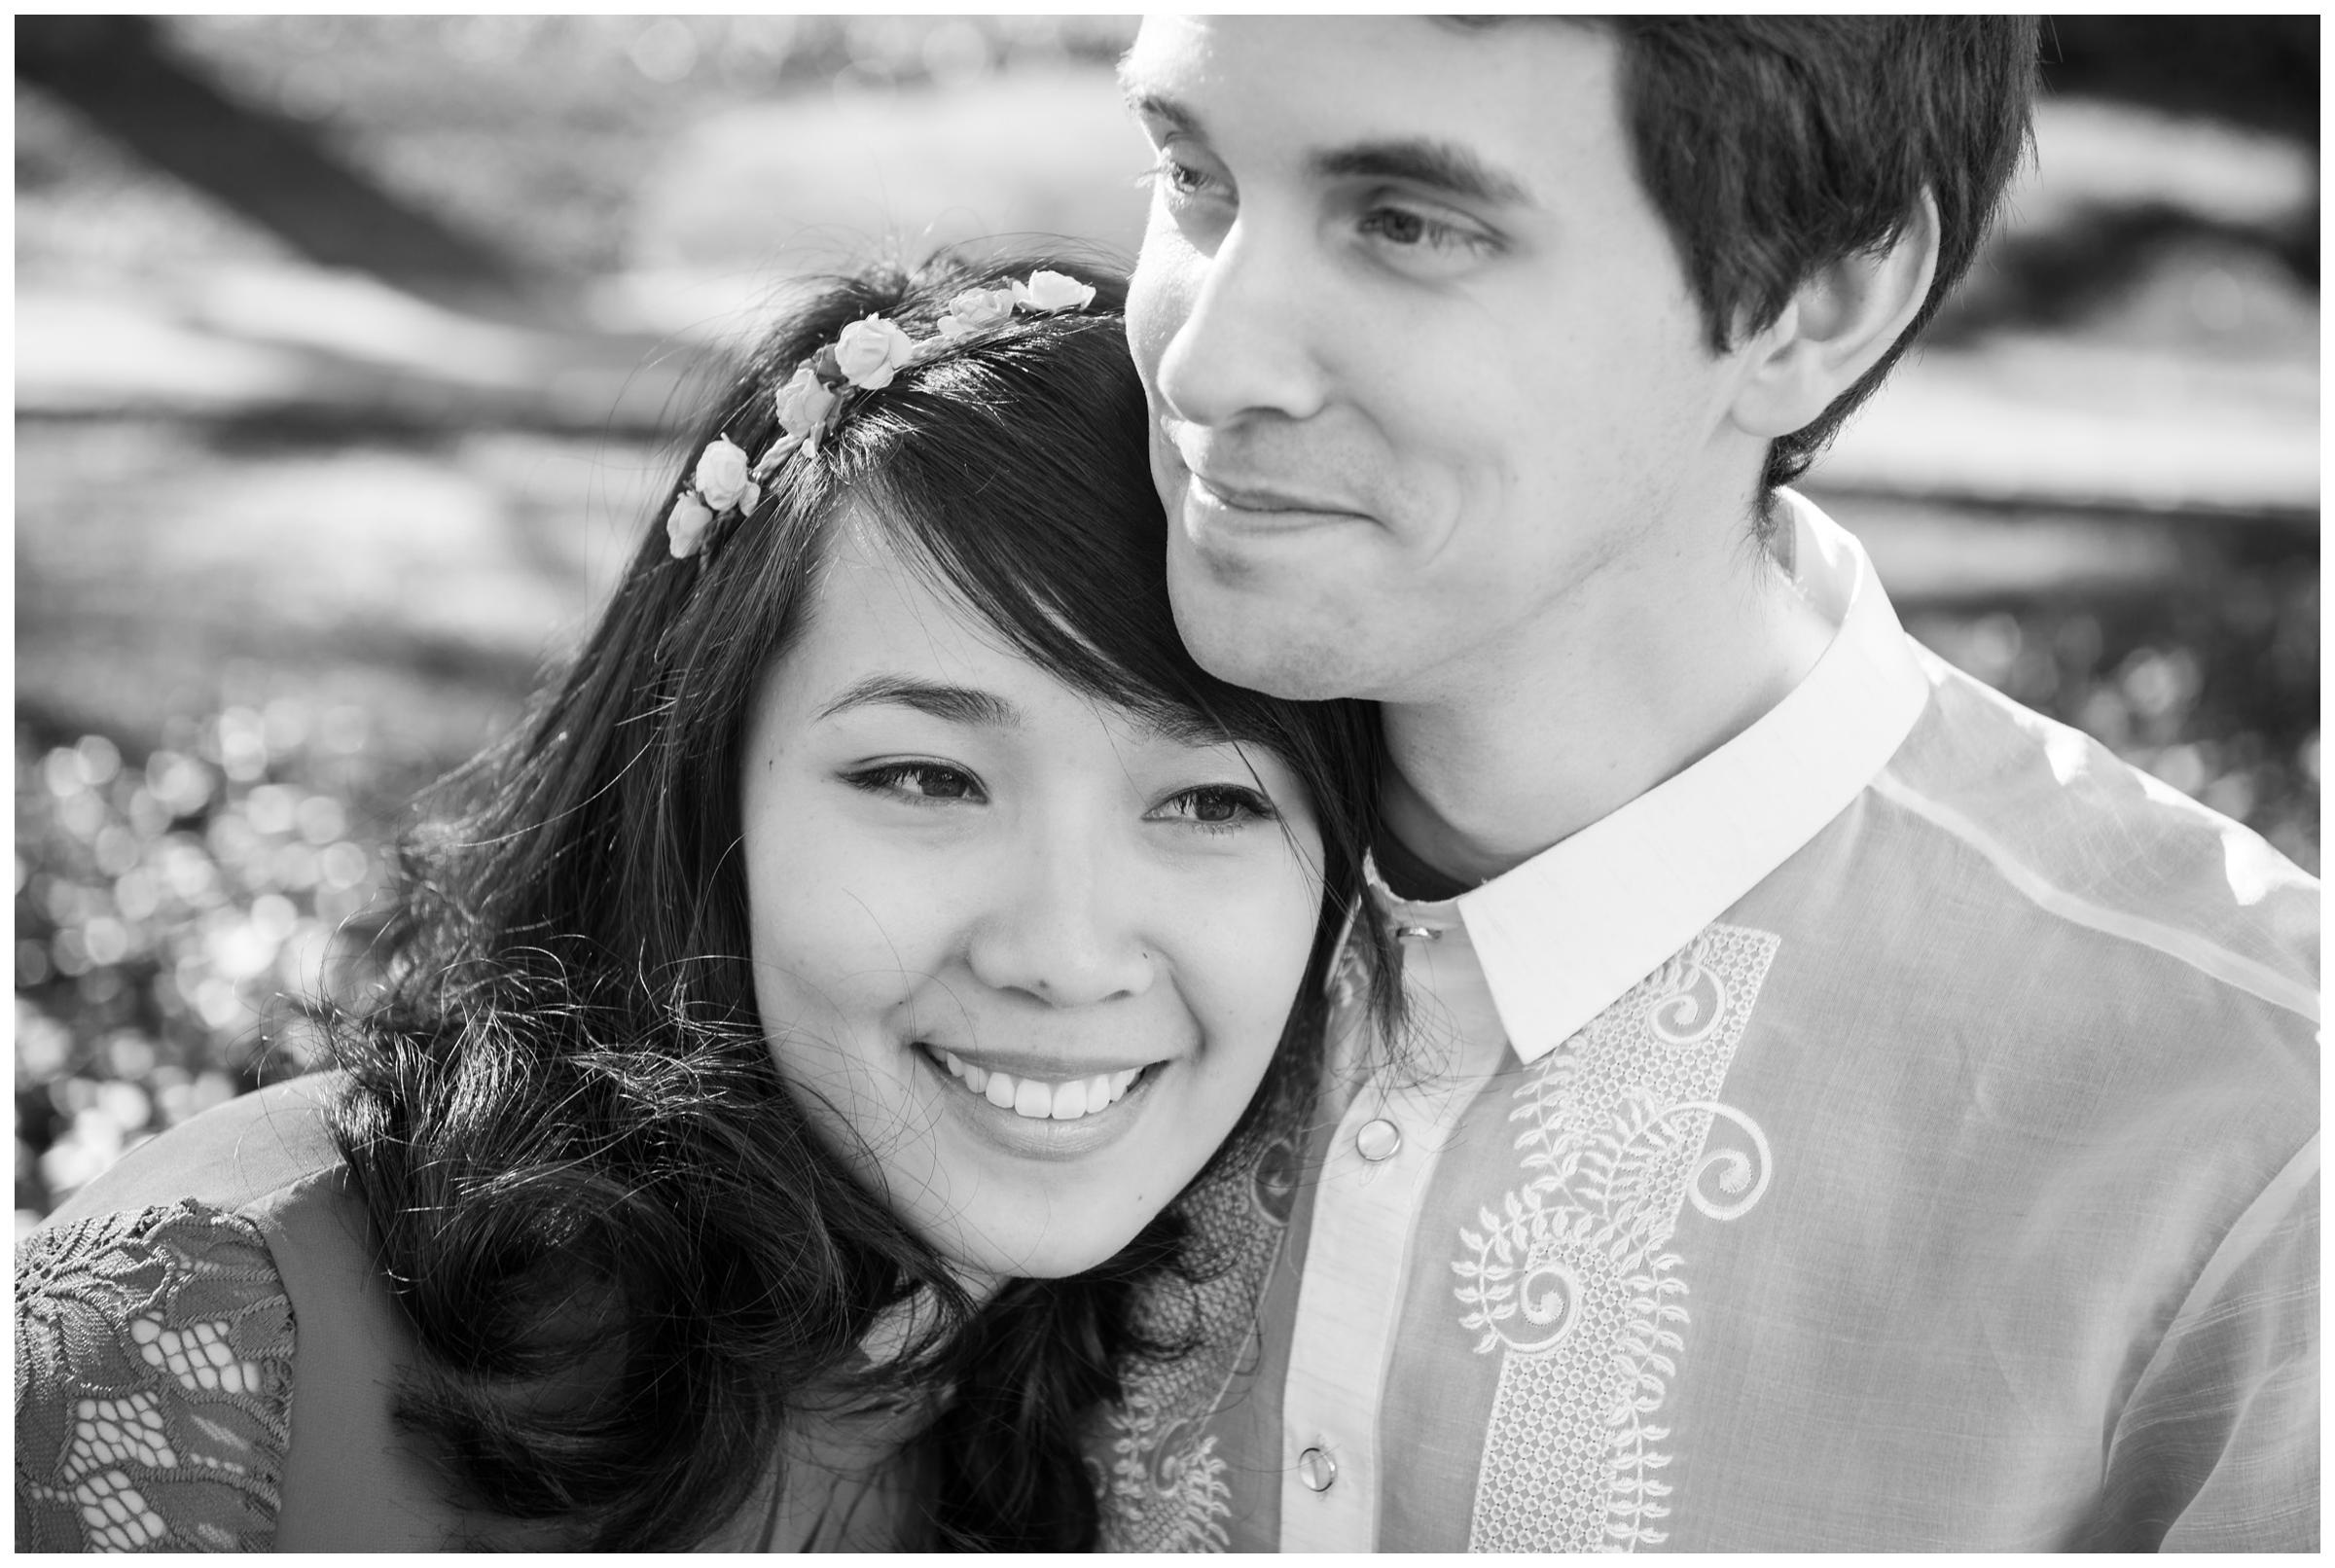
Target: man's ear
point(1836, 328)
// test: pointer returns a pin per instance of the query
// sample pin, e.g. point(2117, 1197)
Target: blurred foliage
point(178, 917)
point(452, 108)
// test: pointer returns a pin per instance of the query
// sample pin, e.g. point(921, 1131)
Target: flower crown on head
point(811, 402)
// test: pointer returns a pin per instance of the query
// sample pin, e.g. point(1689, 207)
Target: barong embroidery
point(1165, 1488)
point(1571, 1279)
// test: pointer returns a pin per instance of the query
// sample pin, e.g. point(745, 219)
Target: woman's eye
point(1218, 806)
point(917, 782)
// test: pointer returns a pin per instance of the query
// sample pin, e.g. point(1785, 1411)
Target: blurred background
point(350, 352)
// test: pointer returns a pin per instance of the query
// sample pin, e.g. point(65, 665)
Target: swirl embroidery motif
point(1569, 1277)
point(1160, 1479)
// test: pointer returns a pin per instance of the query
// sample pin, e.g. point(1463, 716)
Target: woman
point(793, 1052)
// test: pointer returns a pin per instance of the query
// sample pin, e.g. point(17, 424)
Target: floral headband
point(810, 405)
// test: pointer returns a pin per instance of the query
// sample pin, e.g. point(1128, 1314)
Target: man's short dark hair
point(1774, 145)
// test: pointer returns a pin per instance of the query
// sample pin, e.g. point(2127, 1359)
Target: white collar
point(1561, 936)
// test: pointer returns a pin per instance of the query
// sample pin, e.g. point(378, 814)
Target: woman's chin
point(983, 1256)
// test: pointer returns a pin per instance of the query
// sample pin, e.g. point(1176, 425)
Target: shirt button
point(1317, 1469)
point(1379, 1139)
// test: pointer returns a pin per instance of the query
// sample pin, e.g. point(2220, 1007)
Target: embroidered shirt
point(1897, 1130)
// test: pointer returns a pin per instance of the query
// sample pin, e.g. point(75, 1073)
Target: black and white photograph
point(1085, 783)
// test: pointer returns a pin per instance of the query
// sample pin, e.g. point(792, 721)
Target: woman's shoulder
point(254, 1154)
point(181, 1315)
point(154, 1345)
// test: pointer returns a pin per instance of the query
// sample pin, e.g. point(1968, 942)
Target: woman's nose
point(1063, 928)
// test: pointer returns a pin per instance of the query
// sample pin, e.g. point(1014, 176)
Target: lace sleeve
point(154, 1383)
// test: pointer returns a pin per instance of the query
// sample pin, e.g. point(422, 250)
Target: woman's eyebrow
point(952, 705)
point(1182, 728)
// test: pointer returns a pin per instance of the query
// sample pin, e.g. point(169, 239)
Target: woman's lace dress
point(156, 1317)
point(154, 1383)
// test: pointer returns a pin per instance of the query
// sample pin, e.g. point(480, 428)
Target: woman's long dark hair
point(624, 1253)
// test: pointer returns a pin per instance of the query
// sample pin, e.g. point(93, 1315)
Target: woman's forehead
point(881, 620)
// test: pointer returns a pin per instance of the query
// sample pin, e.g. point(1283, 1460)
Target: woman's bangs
point(1057, 543)
point(1081, 624)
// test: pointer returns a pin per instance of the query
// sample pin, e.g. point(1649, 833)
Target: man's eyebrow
point(1444, 167)
point(1156, 105)
point(952, 705)
point(1420, 160)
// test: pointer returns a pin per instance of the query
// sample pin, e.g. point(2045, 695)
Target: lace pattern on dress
point(154, 1383)
point(1571, 1279)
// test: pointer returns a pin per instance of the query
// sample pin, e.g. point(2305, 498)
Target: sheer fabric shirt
point(1898, 1130)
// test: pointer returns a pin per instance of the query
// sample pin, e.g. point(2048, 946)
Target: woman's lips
point(1036, 1098)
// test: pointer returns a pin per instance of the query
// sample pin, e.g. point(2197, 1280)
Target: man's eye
point(1403, 227)
point(1393, 222)
point(1181, 180)
point(921, 781)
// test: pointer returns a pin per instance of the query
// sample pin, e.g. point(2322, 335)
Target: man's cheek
point(1159, 295)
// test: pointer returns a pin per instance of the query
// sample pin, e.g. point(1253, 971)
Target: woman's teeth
point(1035, 1097)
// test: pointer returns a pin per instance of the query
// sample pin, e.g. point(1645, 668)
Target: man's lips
point(1267, 501)
point(1243, 488)
point(1262, 510)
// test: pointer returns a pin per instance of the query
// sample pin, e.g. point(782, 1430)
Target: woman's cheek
point(1259, 959)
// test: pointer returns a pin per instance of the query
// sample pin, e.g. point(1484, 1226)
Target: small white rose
point(802, 401)
point(722, 474)
point(750, 497)
point(977, 310)
point(685, 527)
point(1049, 291)
point(871, 352)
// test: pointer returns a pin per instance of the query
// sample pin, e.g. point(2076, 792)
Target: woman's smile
point(1034, 1094)
point(1029, 1117)
point(1033, 952)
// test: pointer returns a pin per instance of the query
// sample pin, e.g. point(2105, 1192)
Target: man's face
point(1424, 371)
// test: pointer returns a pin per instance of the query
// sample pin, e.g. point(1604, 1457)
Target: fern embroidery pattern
point(1569, 1277)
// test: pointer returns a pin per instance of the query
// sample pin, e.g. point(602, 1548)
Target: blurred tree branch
point(271, 169)
point(2257, 71)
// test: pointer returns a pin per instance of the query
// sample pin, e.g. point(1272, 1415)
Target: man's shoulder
point(2068, 832)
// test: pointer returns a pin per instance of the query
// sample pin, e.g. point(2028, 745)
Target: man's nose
point(1244, 345)
point(1063, 927)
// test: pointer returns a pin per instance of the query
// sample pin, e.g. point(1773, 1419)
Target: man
point(1837, 1109)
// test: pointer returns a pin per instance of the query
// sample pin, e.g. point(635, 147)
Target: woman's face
point(1025, 958)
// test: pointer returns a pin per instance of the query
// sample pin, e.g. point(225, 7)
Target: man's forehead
point(1320, 84)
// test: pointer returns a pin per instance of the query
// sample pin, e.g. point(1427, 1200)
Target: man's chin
point(1240, 639)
